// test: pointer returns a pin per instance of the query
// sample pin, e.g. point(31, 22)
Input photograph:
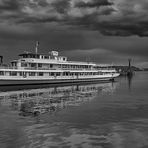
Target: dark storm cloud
point(109, 17)
point(123, 29)
point(61, 6)
point(93, 3)
point(37, 20)
point(42, 3)
point(9, 5)
point(77, 24)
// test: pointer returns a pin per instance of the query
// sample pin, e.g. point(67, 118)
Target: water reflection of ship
point(129, 79)
point(37, 101)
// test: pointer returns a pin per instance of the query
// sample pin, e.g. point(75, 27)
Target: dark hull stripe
point(32, 82)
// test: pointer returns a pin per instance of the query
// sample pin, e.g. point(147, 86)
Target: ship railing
point(35, 68)
point(79, 62)
point(77, 69)
point(81, 69)
point(105, 68)
point(41, 68)
point(7, 67)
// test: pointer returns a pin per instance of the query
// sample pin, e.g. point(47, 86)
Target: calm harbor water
point(100, 115)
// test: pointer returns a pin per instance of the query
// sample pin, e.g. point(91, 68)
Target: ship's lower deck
point(51, 81)
point(15, 77)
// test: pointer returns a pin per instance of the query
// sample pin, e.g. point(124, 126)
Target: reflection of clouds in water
point(128, 136)
point(116, 135)
point(68, 137)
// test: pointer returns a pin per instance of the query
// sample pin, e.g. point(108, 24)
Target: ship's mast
point(129, 63)
point(36, 47)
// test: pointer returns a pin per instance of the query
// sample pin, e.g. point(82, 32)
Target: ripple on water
point(114, 135)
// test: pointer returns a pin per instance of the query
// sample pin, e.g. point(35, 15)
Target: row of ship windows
point(13, 73)
point(52, 65)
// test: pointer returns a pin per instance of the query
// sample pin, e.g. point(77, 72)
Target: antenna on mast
point(36, 47)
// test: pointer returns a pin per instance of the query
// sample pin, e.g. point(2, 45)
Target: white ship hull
point(23, 81)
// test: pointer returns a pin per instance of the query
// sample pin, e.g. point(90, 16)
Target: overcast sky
point(105, 31)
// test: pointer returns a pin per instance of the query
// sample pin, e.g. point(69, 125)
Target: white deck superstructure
point(33, 68)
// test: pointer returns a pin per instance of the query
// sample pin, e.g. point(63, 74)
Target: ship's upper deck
point(51, 58)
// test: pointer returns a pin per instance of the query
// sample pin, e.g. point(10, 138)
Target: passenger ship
point(34, 68)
